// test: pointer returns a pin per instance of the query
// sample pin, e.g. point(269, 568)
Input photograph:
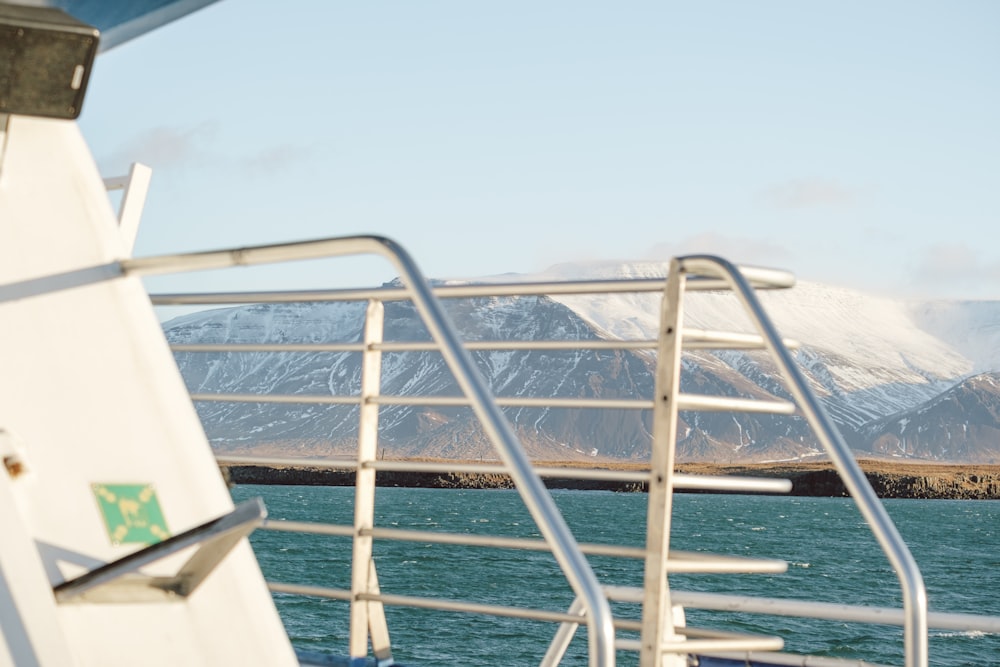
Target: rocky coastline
point(889, 479)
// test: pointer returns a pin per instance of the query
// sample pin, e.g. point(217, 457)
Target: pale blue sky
point(856, 143)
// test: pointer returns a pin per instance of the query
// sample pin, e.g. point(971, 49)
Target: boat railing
point(875, 514)
point(536, 498)
point(660, 639)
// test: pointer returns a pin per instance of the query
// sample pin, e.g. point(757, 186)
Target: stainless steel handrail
point(760, 278)
point(878, 520)
point(533, 493)
point(707, 273)
point(710, 273)
point(685, 481)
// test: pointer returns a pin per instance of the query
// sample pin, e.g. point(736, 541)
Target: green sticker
point(131, 513)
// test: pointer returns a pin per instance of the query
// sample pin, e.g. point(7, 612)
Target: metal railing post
point(364, 490)
point(657, 624)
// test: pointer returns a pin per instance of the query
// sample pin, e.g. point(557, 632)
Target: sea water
point(832, 557)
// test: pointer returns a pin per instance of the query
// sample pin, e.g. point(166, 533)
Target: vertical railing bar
point(875, 514)
point(364, 488)
point(656, 606)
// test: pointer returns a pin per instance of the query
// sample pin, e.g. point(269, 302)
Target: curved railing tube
point(878, 520)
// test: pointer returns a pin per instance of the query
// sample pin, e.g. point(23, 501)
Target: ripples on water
point(832, 557)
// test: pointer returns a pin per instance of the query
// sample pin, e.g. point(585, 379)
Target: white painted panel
point(91, 390)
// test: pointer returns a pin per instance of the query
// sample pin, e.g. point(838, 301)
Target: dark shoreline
point(888, 479)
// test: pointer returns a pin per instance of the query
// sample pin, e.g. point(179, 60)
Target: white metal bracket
point(136, 187)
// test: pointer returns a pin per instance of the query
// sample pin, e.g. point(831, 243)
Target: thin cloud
point(162, 147)
point(171, 147)
point(738, 249)
point(275, 158)
point(809, 194)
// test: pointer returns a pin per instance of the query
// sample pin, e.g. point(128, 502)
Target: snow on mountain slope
point(971, 327)
point(429, 431)
point(871, 331)
point(868, 355)
point(962, 424)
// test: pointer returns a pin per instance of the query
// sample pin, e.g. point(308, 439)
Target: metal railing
point(878, 520)
point(536, 498)
point(657, 635)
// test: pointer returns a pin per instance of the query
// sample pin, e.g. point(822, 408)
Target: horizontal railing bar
point(417, 346)
point(309, 527)
point(789, 659)
point(623, 593)
point(748, 643)
point(519, 402)
point(831, 611)
point(760, 278)
point(733, 483)
point(452, 539)
point(277, 398)
point(430, 401)
point(704, 275)
point(592, 474)
point(681, 480)
point(628, 624)
point(702, 339)
point(267, 347)
point(470, 607)
point(685, 402)
point(331, 463)
point(697, 340)
point(437, 604)
point(530, 345)
point(460, 291)
point(696, 562)
point(725, 403)
point(280, 296)
point(632, 645)
point(714, 641)
point(720, 642)
point(490, 541)
point(313, 591)
point(686, 562)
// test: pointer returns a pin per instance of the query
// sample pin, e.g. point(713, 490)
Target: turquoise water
point(832, 557)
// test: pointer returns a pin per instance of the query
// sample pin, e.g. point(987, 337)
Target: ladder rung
point(731, 483)
point(702, 339)
point(726, 403)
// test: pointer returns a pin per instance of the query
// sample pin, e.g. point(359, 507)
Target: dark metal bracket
point(120, 581)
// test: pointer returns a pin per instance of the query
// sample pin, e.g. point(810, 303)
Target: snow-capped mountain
point(962, 424)
point(430, 431)
point(868, 358)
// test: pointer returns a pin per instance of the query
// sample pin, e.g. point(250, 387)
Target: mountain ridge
point(901, 359)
